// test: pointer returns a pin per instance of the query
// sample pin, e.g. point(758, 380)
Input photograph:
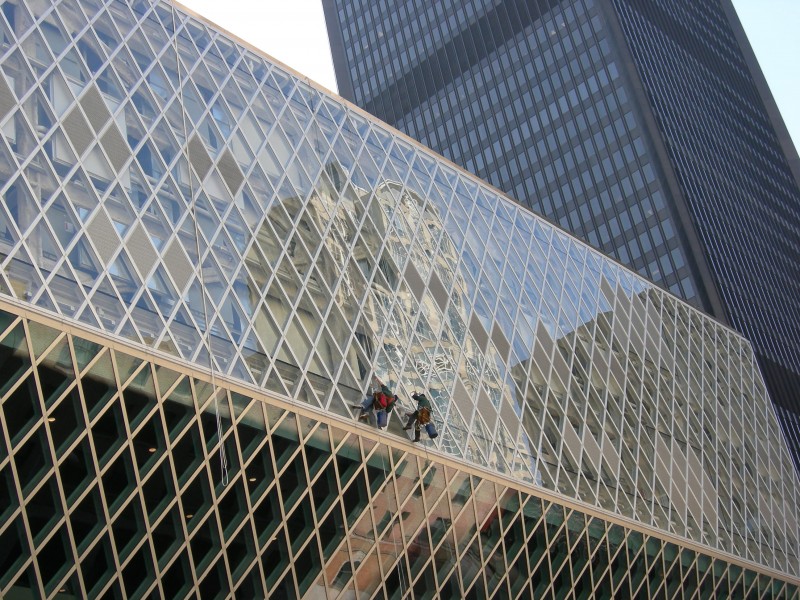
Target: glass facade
point(639, 129)
point(113, 490)
point(204, 260)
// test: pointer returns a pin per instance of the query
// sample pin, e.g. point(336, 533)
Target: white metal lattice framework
point(166, 184)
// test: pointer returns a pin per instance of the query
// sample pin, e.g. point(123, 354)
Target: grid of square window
point(169, 187)
point(111, 488)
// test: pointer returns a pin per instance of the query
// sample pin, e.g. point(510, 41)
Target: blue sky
point(773, 28)
point(293, 31)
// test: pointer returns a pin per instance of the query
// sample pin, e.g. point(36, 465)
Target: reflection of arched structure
point(309, 255)
point(426, 341)
point(595, 398)
point(309, 265)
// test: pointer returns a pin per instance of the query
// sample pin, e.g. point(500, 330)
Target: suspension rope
point(223, 457)
point(403, 582)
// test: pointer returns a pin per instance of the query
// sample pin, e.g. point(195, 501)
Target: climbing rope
point(223, 457)
point(403, 583)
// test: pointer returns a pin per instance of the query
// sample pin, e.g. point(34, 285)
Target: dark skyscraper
point(643, 127)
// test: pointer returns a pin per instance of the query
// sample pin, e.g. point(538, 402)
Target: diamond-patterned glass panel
point(289, 503)
point(244, 230)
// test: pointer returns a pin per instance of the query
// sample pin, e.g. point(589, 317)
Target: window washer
point(421, 418)
point(381, 402)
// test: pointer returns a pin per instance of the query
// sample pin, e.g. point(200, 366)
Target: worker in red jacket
point(381, 402)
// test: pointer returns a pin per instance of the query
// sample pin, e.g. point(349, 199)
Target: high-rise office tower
point(205, 259)
point(645, 128)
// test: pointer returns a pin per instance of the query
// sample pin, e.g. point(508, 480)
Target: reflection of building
point(644, 128)
point(204, 260)
point(647, 466)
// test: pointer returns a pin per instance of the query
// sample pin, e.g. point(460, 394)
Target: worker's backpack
point(381, 400)
point(423, 416)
